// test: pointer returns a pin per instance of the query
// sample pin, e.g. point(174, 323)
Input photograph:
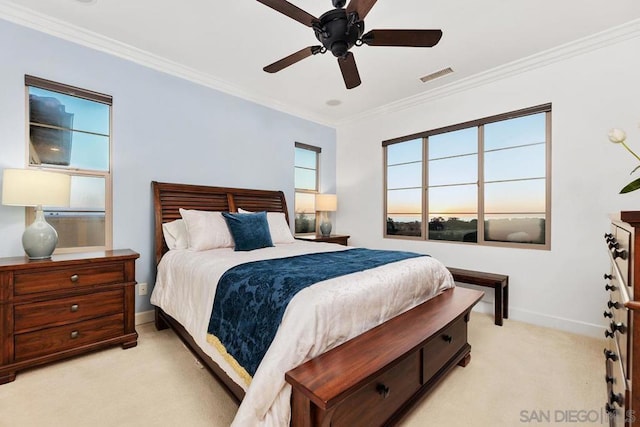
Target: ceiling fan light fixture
point(436, 75)
point(339, 49)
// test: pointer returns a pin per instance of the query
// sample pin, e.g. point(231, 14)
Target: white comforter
point(317, 319)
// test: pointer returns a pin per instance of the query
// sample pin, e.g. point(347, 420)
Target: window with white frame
point(306, 185)
point(69, 131)
point(486, 181)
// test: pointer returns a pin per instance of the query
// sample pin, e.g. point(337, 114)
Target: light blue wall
point(164, 128)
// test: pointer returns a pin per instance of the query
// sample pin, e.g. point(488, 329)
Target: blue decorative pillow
point(249, 231)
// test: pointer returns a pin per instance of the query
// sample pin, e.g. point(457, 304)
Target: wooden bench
point(499, 283)
point(376, 377)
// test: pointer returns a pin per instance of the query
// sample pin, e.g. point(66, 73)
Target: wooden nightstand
point(64, 306)
point(334, 238)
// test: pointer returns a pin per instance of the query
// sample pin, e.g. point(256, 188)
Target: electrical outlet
point(142, 288)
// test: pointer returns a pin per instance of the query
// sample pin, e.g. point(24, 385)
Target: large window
point(306, 183)
point(486, 181)
point(70, 132)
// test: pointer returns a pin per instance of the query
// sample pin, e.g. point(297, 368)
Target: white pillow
point(278, 227)
point(206, 230)
point(175, 234)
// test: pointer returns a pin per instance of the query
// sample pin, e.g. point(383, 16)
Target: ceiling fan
point(339, 29)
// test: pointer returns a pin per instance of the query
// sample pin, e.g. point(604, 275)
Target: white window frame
point(317, 151)
point(31, 81)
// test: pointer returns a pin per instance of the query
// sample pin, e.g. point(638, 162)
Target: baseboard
point(145, 317)
point(545, 320)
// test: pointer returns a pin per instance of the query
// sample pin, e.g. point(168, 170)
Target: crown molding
point(581, 46)
point(64, 30)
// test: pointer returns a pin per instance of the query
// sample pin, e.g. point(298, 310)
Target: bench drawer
point(374, 403)
point(443, 347)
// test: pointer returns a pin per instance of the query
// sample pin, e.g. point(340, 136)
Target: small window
point(306, 184)
point(70, 132)
point(486, 181)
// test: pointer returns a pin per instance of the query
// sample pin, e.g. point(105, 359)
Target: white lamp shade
point(31, 187)
point(326, 202)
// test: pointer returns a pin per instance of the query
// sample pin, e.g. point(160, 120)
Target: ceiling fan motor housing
point(338, 32)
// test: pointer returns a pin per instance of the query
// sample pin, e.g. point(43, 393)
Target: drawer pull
point(74, 308)
point(610, 355)
point(616, 398)
point(74, 334)
point(618, 326)
point(608, 235)
point(619, 253)
point(609, 334)
point(608, 314)
point(609, 380)
point(447, 338)
point(608, 276)
point(614, 245)
point(75, 278)
point(612, 304)
point(610, 409)
point(383, 390)
point(608, 287)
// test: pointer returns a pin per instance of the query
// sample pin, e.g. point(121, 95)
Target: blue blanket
point(251, 298)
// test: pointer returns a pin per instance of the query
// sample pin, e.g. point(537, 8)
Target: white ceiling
point(225, 44)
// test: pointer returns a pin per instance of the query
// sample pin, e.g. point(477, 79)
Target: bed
point(315, 373)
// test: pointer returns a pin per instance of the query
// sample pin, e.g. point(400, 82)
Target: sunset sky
point(514, 169)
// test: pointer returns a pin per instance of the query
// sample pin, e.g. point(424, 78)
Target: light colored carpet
point(518, 375)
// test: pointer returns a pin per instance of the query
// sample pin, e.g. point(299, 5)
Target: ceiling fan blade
point(409, 38)
point(362, 7)
point(349, 70)
point(291, 11)
point(292, 59)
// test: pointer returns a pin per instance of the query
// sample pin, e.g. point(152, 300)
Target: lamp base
point(325, 228)
point(39, 240)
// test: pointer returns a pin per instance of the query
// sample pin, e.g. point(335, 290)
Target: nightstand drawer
point(67, 278)
point(61, 307)
point(29, 317)
point(51, 340)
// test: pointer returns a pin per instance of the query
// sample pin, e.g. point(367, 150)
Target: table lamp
point(33, 187)
point(326, 203)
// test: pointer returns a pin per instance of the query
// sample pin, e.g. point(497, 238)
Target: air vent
point(436, 75)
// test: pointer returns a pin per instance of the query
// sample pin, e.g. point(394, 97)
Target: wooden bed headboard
point(168, 198)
